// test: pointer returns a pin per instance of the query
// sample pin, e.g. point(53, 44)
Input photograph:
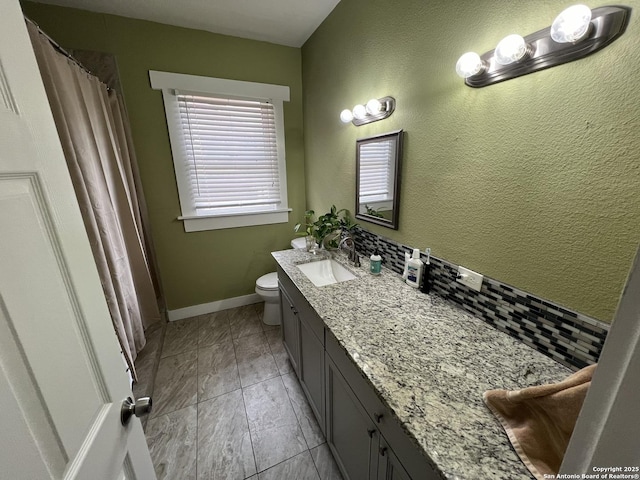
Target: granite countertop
point(429, 362)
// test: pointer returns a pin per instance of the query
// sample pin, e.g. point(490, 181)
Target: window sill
point(218, 222)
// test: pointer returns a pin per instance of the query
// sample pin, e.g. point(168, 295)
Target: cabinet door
point(351, 434)
point(290, 330)
point(312, 370)
point(389, 467)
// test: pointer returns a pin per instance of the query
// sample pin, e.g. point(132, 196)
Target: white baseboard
point(212, 307)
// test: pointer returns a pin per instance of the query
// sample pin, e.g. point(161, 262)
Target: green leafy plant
point(327, 228)
point(308, 224)
point(373, 212)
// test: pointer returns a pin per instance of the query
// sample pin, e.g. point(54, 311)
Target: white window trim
point(276, 94)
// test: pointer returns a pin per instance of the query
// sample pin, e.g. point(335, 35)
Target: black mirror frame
point(393, 223)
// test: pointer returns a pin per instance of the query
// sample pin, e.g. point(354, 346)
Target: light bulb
point(511, 48)
point(572, 25)
point(346, 116)
point(469, 64)
point(373, 106)
point(359, 112)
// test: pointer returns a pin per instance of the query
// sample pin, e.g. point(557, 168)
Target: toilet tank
point(299, 243)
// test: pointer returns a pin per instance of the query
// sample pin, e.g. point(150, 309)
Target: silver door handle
point(140, 408)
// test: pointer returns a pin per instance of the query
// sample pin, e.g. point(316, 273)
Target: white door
point(62, 377)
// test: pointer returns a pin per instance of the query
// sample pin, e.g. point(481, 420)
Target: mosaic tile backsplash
point(568, 337)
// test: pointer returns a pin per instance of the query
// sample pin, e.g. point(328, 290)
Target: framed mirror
point(378, 164)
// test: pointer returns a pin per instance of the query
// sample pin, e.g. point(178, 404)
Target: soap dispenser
point(426, 280)
point(375, 263)
point(414, 269)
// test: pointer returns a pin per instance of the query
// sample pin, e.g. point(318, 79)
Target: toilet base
point(271, 315)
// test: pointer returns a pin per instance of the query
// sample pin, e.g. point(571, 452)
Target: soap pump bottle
point(426, 278)
point(375, 263)
point(414, 269)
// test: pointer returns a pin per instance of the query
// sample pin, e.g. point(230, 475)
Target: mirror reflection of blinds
point(375, 171)
point(230, 152)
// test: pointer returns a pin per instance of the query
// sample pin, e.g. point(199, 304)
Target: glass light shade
point(572, 25)
point(511, 48)
point(359, 111)
point(469, 64)
point(373, 106)
point(346, 116)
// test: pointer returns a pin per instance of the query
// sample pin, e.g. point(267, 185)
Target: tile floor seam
point(297, 423)
point(197, 400)
point(183, 406)
point(295, 414)
point(244, 404)
point(313, 460)
point(303, 435)
point(300, 427)
point(179, 353)
point(262, 380)
point(286, 460)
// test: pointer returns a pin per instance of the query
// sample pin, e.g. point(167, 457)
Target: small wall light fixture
point(575, 33)
point(374, 110)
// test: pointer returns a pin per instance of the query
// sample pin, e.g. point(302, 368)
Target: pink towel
point(540, 420)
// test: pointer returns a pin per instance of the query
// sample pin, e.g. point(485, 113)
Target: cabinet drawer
point(306, 313)
point(410, 455)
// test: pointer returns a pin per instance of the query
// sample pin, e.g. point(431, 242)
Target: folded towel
point(540, 420)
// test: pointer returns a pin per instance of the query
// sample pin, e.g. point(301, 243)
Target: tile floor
point(227, 404)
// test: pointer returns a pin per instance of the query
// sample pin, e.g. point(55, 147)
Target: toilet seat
point(268, 282)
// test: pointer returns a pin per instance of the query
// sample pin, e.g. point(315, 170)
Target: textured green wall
point(196, 267)
point(534, 181)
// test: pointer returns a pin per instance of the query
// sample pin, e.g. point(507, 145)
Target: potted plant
point(307, 232)
point(327, 229)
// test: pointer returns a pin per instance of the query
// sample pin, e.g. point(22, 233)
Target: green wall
point(197, 267)
point(534, 181)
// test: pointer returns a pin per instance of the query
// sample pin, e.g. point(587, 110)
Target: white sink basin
point(326, 272)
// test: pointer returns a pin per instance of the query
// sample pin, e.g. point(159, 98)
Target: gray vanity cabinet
point(394, 456)
point(290, 329)
point(365, 439)
point(311, 371)
point(389, 467)
point(351, 435)
point(303, 337)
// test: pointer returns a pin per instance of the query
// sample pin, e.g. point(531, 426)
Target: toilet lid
point(268, 281)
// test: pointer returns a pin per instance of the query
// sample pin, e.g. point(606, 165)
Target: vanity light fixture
point(470, 64)
point(346, 116)
point(359, 112)
point(575, 33)
point(373, 106)
point(511, 48)
point(374, 110)
point(572, 25)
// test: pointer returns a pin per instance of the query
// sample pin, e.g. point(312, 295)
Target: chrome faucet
point(352, 254)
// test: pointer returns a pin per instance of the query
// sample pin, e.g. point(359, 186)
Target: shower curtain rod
point(61, 50)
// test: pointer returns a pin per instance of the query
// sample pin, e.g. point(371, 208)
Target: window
point(227, 142)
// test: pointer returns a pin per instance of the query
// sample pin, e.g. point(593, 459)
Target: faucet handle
point(356, 261)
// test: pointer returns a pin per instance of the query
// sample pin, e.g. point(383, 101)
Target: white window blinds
point(376, 171)
point(230, 154)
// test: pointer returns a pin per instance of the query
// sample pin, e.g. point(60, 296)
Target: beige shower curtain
point(93, 129)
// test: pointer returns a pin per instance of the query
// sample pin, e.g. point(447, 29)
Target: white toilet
point(267, 288)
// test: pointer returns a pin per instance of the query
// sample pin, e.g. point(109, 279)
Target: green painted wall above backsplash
point(198, 267)
point(534, 181)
